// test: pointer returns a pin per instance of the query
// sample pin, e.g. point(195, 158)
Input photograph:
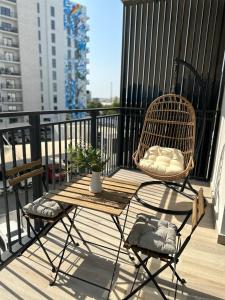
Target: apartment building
point(19, 76)
point(62, 45)
point(43, 56)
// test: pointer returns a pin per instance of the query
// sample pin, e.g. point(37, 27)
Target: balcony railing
point(9, 59)
point(14, 1)
point(9, 29)
point(9, 86)
point(11, 100)
point(12, 45)
point(50, 142)
point(10, 15)
point(6, 71)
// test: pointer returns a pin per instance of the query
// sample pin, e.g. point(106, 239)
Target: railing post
point(35, 143)
point(93, 115)
point(120, 135)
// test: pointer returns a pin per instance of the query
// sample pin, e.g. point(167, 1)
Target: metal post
point(93, 115)
point(35, 142)
point(120, 137)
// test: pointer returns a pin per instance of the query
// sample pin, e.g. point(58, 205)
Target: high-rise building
point(62, 44)
point(43, 55)
point(19, 70)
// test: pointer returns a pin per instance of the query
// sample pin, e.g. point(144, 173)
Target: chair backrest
point(169, 122)
point(198, 209)
point(25, 171)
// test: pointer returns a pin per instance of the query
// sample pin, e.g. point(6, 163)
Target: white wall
point(218, 178)
point(28, 40)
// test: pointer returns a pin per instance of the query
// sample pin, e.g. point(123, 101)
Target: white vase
point(96, 183)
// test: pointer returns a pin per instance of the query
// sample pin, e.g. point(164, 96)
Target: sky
point(105, 46)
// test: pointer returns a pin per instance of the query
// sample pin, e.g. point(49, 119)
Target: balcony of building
point(9, 58)
point(12, 2)
point(11, 85)
point(10, 72)
point(9, 30)
point(7, 14)
point(9, 99)
point(9, 44)
point(168, 47)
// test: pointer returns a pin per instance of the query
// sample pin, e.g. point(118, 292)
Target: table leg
point(121, 230)
point(63, 251)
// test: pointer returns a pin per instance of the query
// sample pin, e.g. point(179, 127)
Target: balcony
point(8, 59)
point(7, 72)
point(7, 15)
point(203, 280)
point(9, 45)
point(10, 30)
point(12, 100)
point(10, 1)
point(9, 86)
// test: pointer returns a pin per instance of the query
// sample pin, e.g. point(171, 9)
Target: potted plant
point(89, 158)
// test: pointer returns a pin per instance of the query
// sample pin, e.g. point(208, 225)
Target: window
point(12, 107)
point(7, 41)
point(10, 83)
point(38, 7)
point(42, 108)
point(54, 87)
point(40, 61)
point(41, 86)
point(52, 24)
point(54, 75)
point(55, 99)
point(55, 108)
point(52, 11)
point(13, 120)
point(41, 74)
point(42, 99)
point(0, 111)
point(5, 11)
point(39, 48)
point(53, 37)
point(53, 50)
point(39, 21)
point(54, 63)
point(1, 119)
point(6, 26)
point(11, 97)
point(68, 30)
point(69, 54)
point(9, 56)
point(68, 42)
point(39, 35)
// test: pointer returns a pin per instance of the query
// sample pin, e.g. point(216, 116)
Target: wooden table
point(113, 200)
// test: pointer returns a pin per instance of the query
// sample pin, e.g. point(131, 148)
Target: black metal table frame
point(120, 228)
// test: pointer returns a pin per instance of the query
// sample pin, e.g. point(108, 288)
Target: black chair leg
point(182, 280)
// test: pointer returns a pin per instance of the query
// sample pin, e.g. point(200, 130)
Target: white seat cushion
point(43, 207)
point(163, 161)
point(153, 234)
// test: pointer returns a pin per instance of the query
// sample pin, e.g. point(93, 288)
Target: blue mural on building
point(75, 24)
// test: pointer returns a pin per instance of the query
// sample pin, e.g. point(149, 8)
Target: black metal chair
point(42, 210)
point(161, 239)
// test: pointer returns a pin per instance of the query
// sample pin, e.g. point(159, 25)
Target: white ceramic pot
point(96, 183)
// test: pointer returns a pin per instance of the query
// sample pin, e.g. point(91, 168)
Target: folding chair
point(161, 239)
point(42, 209)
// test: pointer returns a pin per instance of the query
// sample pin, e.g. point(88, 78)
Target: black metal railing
point(48, 141)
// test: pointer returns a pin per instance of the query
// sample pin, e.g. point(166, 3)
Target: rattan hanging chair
point(170, 123)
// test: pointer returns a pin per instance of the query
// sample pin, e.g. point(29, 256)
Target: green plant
point(86, 158)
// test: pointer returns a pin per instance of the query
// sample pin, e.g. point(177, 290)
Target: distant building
point(19, 69)
point(43, 55)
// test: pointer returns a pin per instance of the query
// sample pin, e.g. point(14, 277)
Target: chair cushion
point(153, 234)
point(43, 207)
point(163, 161)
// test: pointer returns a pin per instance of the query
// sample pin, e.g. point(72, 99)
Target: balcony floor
point(202, 263)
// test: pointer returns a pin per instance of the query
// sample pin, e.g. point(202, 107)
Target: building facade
point(43, 49)
point(19, 74)
point(62, 36)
